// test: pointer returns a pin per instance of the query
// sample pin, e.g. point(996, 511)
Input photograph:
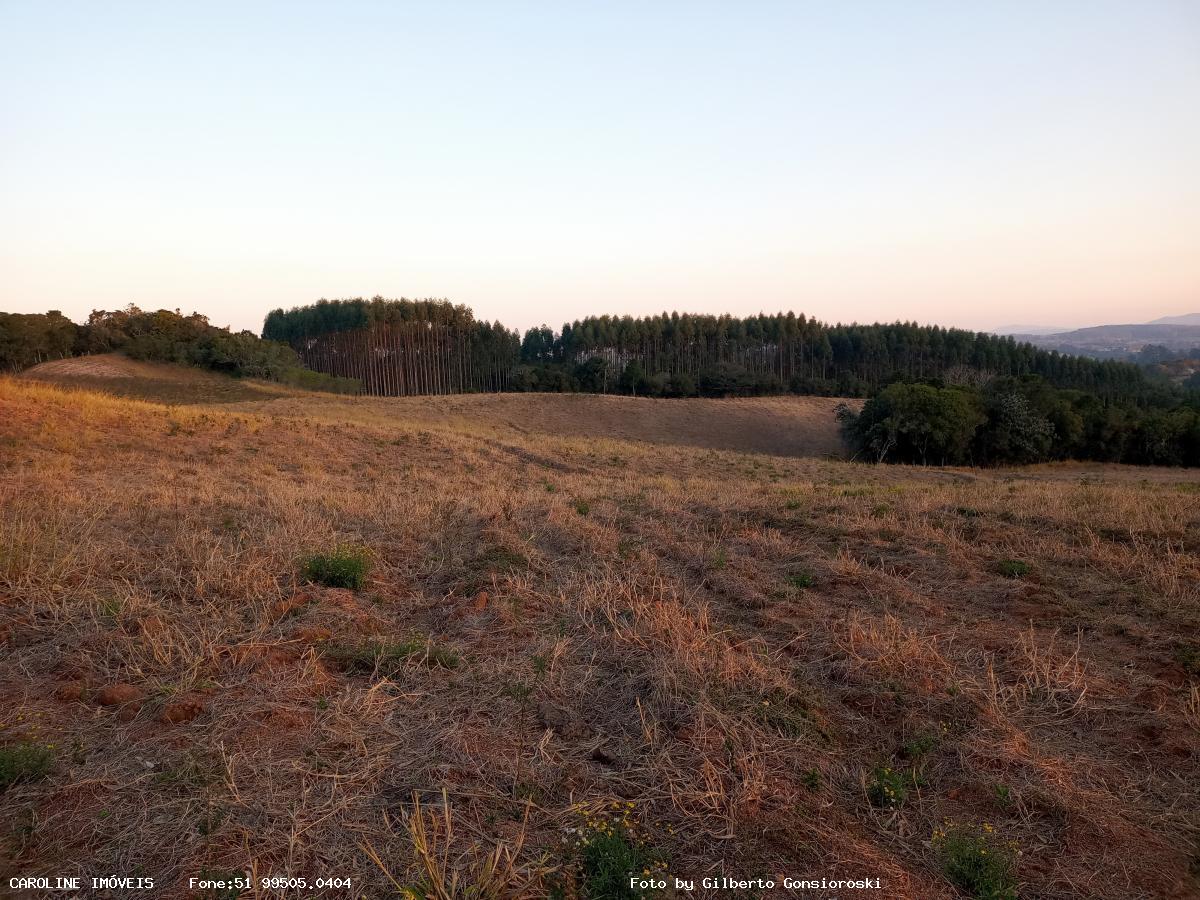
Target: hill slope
point(767, 666)
point(786, 426)
point(1117, 338)
point(783, 426)
point(121, 376)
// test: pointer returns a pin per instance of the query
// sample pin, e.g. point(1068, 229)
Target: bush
point(343, 568)
point(24, 762)
point(1013, 568)
point(888, 788)
point(976, 862)
point(801, 580)
point(681, 385)
point(612, 849)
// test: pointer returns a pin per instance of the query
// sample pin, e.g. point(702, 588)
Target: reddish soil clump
point(118, 694)
point(69, 691)
point(182, 711)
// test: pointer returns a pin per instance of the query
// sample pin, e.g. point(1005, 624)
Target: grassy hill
point(788, 426)
point(588, 633)
point(113, 373)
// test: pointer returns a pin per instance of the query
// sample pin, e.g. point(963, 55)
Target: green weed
point(801, 580)
point(888, 788)
point(1013, 568)
point(388, 659)
point(976, 862)
point(24, 762)
point(612, 848)
point(345, 567)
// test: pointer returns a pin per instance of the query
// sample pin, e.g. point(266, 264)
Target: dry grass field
point(788, 426)
point(583, 640)
point(121, 376)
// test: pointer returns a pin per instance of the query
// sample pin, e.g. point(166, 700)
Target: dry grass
point(781, 426)
point(120, 376)
point(659, 650)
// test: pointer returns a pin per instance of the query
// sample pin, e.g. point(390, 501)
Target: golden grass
point(629, 626)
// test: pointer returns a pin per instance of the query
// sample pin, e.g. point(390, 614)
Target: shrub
point(612, 848)
point(1013, 568)
point(24, 762)
point(888, 788)
point(582, 507)
point(919, 747)
point(976, 862)
point(345, 567)
point(801, 580)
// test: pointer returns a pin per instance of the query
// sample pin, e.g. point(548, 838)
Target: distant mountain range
point(1176, 333)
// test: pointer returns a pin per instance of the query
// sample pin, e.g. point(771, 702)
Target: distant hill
point(1118, 341)
point(1189, 319)
point(1029, 329)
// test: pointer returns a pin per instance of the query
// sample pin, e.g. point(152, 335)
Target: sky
point(969, 164)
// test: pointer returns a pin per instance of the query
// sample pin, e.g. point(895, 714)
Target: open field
point(767, 664)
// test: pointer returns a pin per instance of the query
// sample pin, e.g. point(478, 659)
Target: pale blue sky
point(965, 163)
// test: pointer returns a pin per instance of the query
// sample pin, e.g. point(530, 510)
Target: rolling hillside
point(787, 426)
point(498, 640)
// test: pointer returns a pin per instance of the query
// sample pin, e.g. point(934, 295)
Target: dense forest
point(160, 336)
point(431, 346)
point(722, 355)
point(400, 347)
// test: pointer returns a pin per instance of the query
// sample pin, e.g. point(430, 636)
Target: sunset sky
point(962, 163)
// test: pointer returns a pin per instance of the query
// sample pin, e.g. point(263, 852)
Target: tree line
point(400, 347)
point(433, 346)
point(159, 336)
point(674, 354)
